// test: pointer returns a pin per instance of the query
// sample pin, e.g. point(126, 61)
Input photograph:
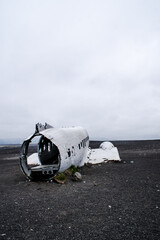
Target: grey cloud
point(93, 63)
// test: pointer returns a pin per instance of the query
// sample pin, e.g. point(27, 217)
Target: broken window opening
point(48, 152)
point(69, 152)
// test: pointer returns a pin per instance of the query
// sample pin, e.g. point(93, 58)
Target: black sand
point(114, 200)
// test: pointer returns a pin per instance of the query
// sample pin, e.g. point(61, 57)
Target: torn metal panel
point(106, 152)
point(40, 127)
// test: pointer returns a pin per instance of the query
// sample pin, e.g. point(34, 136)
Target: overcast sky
point(92, 63)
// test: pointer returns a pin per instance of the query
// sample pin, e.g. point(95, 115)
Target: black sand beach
point(113, 201)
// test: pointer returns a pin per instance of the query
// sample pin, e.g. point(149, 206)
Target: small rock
point(77, 176)
point(131, 161)
point(109, 206)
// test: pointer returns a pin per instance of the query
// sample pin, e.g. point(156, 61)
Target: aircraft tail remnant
point(58, 149)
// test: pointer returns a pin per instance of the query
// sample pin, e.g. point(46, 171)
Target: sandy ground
point(114, 200)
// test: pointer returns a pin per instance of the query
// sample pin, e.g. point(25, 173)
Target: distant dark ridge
point(13, 141)
point(95, 144)
point(128, 143)
point(10, 144)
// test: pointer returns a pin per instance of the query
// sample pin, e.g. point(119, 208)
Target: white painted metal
point(106, 152)
point(73, 139)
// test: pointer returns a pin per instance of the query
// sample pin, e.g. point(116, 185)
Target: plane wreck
point(58, 149)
